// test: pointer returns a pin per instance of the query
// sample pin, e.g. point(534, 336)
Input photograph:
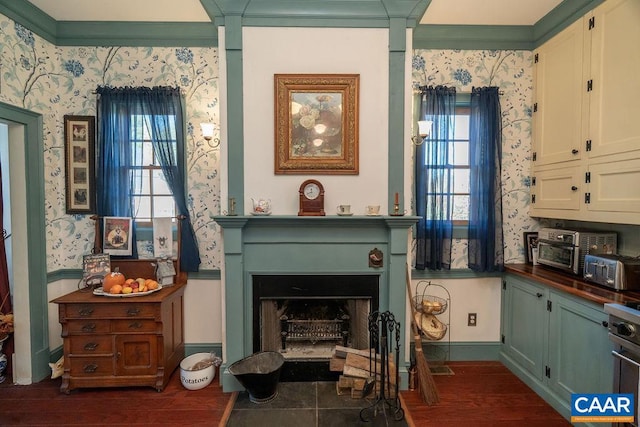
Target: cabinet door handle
point(90, 369)
point(605, 323)
point(539, 295)
point(90, 346)
point(574, 151)
point(574, 188)
point(135, 325)
point(86, 312)
point(118, 356)
point(133, 312)
point(89, 327)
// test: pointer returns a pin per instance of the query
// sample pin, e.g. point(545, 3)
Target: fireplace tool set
point(384, 333)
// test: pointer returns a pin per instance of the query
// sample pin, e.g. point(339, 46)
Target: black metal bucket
point(259, 374)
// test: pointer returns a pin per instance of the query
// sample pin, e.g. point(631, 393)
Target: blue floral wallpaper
point(511, 71)
point(55, 81)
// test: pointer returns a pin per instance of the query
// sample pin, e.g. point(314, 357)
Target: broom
point(428, 390)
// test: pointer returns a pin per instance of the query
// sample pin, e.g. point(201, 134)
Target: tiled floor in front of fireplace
point(310, 404)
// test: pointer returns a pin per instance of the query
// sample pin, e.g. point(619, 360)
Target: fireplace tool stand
point(384, 340)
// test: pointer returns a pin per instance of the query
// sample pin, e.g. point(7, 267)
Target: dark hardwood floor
point(479, 394)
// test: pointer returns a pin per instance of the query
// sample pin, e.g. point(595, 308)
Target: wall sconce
point(424, 129)
point(207, 134)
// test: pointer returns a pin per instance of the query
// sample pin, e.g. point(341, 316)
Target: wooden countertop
point(572, 284)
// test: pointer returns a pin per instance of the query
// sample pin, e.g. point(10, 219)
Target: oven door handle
point(625, 358)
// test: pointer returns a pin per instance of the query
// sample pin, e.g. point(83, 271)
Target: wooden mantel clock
point(311, 198)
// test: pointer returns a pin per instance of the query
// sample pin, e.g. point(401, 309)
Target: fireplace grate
point(314, 330)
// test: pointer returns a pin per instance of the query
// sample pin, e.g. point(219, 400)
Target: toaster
point(619, 272)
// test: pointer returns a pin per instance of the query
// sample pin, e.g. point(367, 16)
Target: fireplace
point(291, 266)
point(305, 316)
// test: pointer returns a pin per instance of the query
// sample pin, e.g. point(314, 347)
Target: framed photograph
point(116, 237)
point(316, 123)
point(79, 140)
point(530, 242)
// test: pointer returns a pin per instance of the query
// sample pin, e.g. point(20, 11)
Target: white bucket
point(195, 380)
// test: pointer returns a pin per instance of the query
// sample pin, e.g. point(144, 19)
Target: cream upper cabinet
point(615, 69)
point(557, 111)
point(587, 141)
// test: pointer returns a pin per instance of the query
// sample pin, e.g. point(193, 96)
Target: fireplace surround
point(314, 248)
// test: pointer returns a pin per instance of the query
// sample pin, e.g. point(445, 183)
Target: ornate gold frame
point(316, 123)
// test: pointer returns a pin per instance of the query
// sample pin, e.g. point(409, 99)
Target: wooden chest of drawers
point(121, 341)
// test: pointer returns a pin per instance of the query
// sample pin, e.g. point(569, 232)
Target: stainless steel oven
point(566, 249)
point(624, 333)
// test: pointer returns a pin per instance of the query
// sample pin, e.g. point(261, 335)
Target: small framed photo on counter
point(530, 242)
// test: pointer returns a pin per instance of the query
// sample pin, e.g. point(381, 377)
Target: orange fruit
point(115, 289)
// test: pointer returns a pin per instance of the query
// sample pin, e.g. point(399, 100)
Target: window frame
point(147, 171)
point(463, 104)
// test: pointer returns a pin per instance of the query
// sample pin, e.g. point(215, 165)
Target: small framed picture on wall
point(79, 142)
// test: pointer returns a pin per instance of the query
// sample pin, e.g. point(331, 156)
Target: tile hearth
point(301, 404)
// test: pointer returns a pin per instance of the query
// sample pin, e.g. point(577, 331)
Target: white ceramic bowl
point(195, 380)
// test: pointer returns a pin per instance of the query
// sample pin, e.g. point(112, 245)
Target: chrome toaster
point(619, 272)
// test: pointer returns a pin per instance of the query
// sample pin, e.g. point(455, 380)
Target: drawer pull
point(90, 346)
point(90, 369)
point(133, 312)
point(135, 325)
point(89, 327)
point(86, 312)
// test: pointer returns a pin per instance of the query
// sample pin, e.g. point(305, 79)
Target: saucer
point(256, 213)
point(374, 214)
point(345, 214)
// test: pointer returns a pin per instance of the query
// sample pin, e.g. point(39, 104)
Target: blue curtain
point(486, 248)
point(434, 183)
point(116, 154)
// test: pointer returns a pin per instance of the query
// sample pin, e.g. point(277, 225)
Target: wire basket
point(429, 304)
point(430, 326)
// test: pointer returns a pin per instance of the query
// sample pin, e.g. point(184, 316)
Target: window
point(458, 166)
point(151, 195)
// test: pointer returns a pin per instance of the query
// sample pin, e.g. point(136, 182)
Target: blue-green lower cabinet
point(555, 342)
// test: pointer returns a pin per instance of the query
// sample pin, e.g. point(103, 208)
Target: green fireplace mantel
point(282, 244)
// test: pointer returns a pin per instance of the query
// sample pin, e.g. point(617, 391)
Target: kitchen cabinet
point(555, 342)
point(558, 76)
point(121, 341)
point(584, 117)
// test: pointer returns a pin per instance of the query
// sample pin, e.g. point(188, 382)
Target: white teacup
point(373, 209)
point(344, 209)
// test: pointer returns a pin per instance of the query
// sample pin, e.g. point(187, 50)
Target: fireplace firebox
point(305, 316)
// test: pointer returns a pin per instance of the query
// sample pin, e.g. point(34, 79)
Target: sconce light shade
point(424, 128)
point(207, 130)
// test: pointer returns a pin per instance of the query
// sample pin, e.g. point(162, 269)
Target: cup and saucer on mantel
point(344, 210)
point(373, 210)
point(261, 207)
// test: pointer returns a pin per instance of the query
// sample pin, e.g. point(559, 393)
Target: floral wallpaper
point(511, 71)
point(55, 81)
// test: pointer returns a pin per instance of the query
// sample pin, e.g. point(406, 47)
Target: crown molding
point(156, 34)
point(311, 13)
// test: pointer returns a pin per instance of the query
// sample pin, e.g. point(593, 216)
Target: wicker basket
point(430, 326)
point(429, 304)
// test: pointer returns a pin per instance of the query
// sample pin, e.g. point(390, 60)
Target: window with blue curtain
point(458, 178)
point(434, 179)
point(485, 235)
point(137, 126)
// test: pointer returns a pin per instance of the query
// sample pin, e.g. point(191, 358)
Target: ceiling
point(449, 12)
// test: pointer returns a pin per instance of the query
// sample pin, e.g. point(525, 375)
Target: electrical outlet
point(472, 319)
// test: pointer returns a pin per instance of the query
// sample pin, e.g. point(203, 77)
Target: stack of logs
point(358, 370)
